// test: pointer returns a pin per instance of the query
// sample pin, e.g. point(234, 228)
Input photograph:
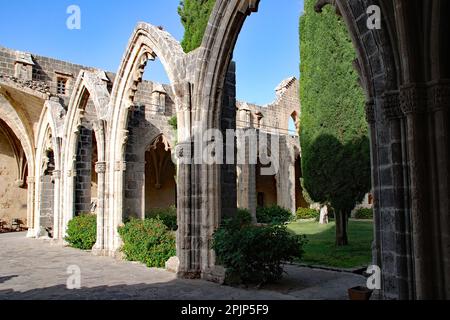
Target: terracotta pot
point(359, 293)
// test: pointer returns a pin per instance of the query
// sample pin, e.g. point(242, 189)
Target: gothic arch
point(88, 85)
point(147, 43)
point(15, 121)
point(375, 64)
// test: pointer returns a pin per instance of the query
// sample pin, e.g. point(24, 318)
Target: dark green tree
point(194, 17)
point(335, 147)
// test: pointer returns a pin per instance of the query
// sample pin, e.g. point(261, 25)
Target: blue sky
point(266, 53)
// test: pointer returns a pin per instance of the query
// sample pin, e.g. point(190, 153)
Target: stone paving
point(37, 269)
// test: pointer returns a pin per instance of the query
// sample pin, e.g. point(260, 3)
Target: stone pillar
point(439, 106)
point(56, 205)
point(286, 177)
point(426, 204)
point(246, 195)
point(395, 238)
point(246, 180)
point(116, 220)
point(31, 181)
point(134, 202)
point(376, 245)
point(100, 168)
point(83, 171)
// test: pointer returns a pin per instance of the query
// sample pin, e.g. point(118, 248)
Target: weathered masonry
point(57, 132)
point(75, 138)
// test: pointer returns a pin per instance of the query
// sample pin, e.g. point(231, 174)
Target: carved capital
point(391, 106)
point(413, 99)
point(100, 167)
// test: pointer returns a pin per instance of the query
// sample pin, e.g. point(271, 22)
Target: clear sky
point(267, 51)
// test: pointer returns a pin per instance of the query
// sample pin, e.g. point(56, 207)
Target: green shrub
point(273, 214)
point(243, 217)
point(82, 232)
point(148, 241)
point(364, 213)
point(307, 213)
point(167, 215)
point(255, 254)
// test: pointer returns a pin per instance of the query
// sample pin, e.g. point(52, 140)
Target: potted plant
point(359, 293)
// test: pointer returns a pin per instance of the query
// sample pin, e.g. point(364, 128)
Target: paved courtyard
point(37, 269)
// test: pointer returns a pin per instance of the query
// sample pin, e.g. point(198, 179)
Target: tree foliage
point(194, 17)
point(335, 147)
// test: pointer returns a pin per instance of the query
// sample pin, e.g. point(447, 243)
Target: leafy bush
point(364, 213)
point(307, 213)
point(243, 217)
point(82, 232)
point(273, 214)
point(167, 215)
point(148, 241)
point(255, 254)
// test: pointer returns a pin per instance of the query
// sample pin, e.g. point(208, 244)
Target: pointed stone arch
point(50, 135)
point(92, 85)
point(147, 43)
point(376, 65)
point(17, 124)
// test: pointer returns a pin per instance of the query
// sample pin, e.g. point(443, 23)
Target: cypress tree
point(194, 16)
point(334, 135)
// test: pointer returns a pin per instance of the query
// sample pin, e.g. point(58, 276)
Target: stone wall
point(13, 200)
point(83, 171)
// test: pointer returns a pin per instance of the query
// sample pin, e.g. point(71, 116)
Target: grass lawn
point(321, 248)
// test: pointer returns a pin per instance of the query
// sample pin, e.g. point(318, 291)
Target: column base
point(189, 275)
point(31, 233)
point(100, 252)
point(216, 274)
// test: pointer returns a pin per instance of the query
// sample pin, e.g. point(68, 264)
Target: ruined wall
point(275, 116)
point(13, 200)
point(154, 106)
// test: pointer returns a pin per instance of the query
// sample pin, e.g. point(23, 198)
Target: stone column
point(56, 205)
point(286, 177)
point(186, 234)
point(246, 196)
point(117, 219)
point(140, 180)
point(100, 169)
point(439, 127)
point(395, 235)
point(31, 181)
point(413, 100)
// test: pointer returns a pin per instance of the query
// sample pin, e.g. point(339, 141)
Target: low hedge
point(167, 215)
point(307, 213)
point(82, 231)
point(273, 215)
point(148, 241)
point(364, 213)
point(255, 254)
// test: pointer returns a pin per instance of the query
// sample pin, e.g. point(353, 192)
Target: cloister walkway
point(37, 269)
